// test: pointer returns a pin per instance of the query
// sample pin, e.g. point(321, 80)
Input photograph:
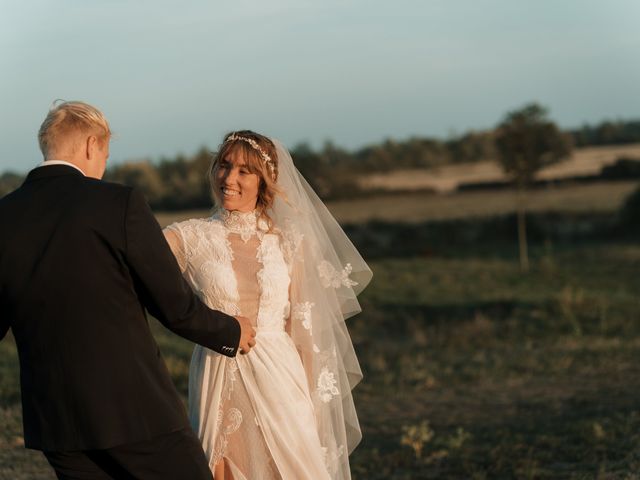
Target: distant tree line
point(607, 133)
point(180, 182)
point(176, 184)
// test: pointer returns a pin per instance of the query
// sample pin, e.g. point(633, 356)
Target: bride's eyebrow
point(229, 162)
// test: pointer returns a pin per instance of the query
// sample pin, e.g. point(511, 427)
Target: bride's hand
point(247, 335)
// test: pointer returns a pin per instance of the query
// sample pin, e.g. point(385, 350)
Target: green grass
point(472, 370)
point(540, 372)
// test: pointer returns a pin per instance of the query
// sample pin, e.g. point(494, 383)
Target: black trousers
point(173, 456)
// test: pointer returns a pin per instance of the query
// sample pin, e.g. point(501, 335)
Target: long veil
point(327, 273)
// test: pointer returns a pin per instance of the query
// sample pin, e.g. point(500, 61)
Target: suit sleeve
point(4, 320)
point(165, 293)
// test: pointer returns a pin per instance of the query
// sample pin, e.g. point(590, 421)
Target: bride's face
point(237, 186)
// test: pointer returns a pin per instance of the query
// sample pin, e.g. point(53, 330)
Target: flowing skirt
point(255, 411)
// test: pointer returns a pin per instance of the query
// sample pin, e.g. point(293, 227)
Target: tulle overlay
point(266, 427)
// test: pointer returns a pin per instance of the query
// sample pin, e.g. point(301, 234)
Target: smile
point(230, 193)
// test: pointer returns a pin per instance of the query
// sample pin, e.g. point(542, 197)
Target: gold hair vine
point(265, 157)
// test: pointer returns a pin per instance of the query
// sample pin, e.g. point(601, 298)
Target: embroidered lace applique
point(244, 224)
point(187, 231)
point(292, 239)
point(302, 313)
point(232, 368)
point(274, 280)
point(233, 417)
point(330, 458)
point(330, 277)
point(327, 385)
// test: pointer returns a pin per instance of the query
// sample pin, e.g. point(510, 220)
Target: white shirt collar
point(47, 163)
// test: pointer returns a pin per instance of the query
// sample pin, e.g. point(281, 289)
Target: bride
point(273, 252)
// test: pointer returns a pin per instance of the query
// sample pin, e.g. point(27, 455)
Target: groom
point(80, 261)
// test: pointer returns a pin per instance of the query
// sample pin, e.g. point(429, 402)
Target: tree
point(527, 141)
point(142, 174)
point(9, 181)
point(186, 181)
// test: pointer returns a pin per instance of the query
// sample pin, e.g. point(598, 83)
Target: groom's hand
point(247, 335)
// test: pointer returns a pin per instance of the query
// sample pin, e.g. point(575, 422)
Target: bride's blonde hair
point(261, 159)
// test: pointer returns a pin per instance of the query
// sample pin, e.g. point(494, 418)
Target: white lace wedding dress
point(254, 410)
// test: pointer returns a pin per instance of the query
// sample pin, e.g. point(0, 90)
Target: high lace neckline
point(244, 224)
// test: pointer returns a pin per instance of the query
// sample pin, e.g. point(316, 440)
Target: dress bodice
point(235, 265)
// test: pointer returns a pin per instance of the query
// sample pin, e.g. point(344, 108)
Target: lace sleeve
point(175, 240)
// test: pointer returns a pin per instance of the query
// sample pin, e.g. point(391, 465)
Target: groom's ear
point(91, 146)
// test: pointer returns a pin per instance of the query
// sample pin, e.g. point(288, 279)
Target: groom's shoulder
point(84, 192)
point(108, 198)
point(8, 201)
point(106, 186)
point(102, 188)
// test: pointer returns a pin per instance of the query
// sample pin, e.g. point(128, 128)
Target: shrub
point(630, 212)
point(623, 168)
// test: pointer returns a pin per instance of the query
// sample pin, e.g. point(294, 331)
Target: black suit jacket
point(80, 260)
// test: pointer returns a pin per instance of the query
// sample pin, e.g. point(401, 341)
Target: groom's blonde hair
point(68, 118)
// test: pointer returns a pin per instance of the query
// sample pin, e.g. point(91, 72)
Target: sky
point(173, 76)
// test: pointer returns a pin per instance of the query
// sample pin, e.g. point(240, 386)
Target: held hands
point(247, 335)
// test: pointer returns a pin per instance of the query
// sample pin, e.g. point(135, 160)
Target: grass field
point(472, 369)
point(583, 162)
point(538, 372)
point(421, 207)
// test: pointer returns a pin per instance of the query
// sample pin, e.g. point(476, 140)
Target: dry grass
point(584, 161)
point(420, 207)
point(472, 370)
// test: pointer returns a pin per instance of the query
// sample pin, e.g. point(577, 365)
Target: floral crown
point(265, 157)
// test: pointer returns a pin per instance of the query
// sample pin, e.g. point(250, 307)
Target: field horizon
point(596, 197)
point(583, 162)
